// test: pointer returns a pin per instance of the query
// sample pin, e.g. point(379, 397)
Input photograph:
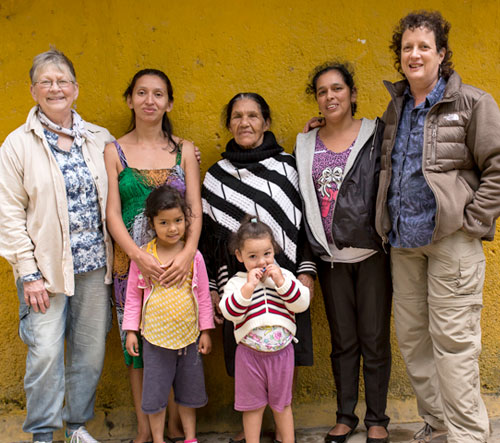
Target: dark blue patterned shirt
point(85, 225)
point(412, 205)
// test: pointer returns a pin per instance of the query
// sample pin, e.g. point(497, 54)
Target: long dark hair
point(166, 126)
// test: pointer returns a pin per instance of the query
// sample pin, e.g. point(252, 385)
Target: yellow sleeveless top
point(171, 315)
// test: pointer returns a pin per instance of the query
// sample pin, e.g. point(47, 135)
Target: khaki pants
point(437, 312)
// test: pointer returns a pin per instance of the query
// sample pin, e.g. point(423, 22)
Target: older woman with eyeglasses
point(53, 190)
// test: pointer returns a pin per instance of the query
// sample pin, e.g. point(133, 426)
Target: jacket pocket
point(468, 189)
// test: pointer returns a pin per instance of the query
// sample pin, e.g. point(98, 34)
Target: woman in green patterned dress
point(146, 157)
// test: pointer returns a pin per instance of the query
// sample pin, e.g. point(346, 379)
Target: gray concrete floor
point(398, 433)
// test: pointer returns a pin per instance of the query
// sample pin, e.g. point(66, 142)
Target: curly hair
point(343, 68)
point(433, 21)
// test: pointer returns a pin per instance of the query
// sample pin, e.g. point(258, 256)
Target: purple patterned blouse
point(328, 173)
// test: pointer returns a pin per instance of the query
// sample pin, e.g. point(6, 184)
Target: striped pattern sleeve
point(293, 293)
point(307, 267)
point(222, 277)
point(213, 285)
point(305, 256)
point(233, 305)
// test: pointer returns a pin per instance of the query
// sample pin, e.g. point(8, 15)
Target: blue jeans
point(84, 320)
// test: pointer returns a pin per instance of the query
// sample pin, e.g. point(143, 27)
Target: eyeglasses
point(46, 84)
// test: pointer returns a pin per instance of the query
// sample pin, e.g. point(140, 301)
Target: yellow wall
point(211, 50)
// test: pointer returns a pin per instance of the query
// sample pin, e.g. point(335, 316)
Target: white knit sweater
point(268, 306)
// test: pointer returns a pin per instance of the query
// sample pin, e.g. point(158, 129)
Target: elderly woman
point(254, 177)
point(439, 196)
point(53, 193)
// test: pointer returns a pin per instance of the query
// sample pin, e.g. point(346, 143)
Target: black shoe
point(338, 438)
point(237, 441)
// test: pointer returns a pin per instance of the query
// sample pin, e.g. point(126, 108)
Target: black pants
point(358, 307)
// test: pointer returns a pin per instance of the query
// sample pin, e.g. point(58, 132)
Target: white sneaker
point(81, 435)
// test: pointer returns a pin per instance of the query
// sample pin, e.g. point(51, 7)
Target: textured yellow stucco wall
point(211, 50)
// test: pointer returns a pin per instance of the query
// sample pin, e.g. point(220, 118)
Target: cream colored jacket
point(34, 224)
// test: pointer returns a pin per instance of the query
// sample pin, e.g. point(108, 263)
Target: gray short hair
point(52, 57)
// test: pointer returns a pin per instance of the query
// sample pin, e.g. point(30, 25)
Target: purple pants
point(263, 378)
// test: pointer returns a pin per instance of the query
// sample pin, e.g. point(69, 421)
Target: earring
point(439, 71)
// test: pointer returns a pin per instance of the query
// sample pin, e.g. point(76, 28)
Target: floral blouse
point(85, 226)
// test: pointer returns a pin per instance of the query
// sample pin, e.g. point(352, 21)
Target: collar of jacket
point(33, 123)
point(453, 85)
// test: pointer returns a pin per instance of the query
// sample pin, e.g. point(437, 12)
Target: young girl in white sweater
point(262, 303)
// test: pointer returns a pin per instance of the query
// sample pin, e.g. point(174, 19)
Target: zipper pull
point(433, 144)
point(385, 240)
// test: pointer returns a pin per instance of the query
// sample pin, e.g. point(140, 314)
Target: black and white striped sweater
point(268, 188)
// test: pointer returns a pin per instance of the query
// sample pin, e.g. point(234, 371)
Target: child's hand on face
point(205, 343)
point(254, 276)
point(132, 344)
point(274, 271)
